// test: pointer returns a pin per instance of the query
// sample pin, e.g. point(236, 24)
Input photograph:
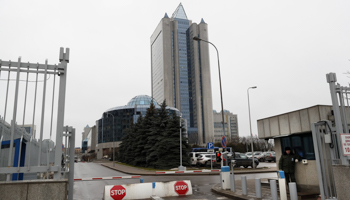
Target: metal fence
point(36, 92)
point(327, 138)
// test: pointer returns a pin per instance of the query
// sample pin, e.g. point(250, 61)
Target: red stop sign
point(181, 188)
point(118, 192)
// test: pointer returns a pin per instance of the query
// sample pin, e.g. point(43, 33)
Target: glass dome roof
point(141, 100)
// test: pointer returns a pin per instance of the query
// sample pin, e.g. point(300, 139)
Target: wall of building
point(109, 145)
point(231, 125)
point(193, 97)
point(293, 122)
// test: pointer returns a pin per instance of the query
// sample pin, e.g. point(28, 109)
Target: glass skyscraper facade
point(115, 121)
point(178, 73)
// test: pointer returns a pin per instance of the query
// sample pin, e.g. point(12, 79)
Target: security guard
point(287, 164)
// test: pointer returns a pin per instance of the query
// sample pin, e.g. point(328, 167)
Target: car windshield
point(248, 154)
point(243, 156)
point(257, 153)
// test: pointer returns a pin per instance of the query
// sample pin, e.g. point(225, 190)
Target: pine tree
point(147, 129)
point(168, 147)
point(162, 120)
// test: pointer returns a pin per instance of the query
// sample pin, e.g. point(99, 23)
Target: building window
point(300, 144)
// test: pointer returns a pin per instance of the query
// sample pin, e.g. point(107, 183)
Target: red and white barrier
point(145, 190)
point(106, 178)
point(186, 172)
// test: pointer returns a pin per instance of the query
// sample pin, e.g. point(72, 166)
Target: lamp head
point(253, 87)
point(196, 38)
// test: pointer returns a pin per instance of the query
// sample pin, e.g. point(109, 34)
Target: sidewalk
point(251, 194)
point(137, 171)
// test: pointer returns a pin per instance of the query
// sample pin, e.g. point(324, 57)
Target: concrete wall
point(38, 189)
point(293, 122)
point(342, 184)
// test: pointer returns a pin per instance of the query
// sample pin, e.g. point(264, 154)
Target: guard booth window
point(300, 144)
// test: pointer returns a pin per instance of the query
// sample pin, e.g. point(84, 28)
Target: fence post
point(64, 59)
point(71, 162)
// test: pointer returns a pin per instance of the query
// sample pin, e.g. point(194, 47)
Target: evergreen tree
point(168, 147)
point(147, 129)
point(162, 120)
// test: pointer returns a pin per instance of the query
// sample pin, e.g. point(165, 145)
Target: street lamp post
point(181, 168)
point(250, 125)
point(113, 138)
point(222, 104)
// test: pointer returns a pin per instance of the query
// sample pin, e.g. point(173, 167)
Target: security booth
point(294, 130)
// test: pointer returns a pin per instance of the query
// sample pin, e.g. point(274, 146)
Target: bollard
point(282, 185)
point(153, 188)
point(225, 177)
point(273, 186)
point(141, 180)
point(244, 185)
point(232, 181)
point(258, 187)
point(293, 191)
point(221, 180)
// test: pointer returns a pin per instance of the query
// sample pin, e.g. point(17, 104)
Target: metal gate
point(327, 141)
point(22, 150)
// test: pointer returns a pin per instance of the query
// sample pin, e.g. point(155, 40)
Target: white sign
point(210, 150)
point(345, 142)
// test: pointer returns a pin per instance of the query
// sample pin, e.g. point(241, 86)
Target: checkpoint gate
point(23, 150)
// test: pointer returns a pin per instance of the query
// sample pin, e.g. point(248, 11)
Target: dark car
point(242, 160)
point(270, 156)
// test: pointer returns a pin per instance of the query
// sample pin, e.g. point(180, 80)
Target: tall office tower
point(181, 72)
point(231, 125)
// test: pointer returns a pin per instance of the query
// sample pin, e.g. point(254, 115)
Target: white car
point(204, 159)
point(194, 156)
point(248, 154)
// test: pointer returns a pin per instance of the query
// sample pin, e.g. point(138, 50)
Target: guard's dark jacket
point(287, 163)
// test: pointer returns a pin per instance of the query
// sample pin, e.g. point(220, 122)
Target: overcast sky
point(285, 48)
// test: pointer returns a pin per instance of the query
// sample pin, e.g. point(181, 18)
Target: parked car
point(76, 159)
point(204, 159)
point(259, 155)
point(248, 154)
point(194, 156)
point(242, 160)
point(270, 156)
point(105, 157)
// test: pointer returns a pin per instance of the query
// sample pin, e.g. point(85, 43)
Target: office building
point(181, 72)
point(231, 125)
point(114, 122)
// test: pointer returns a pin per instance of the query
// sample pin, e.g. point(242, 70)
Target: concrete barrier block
point(34, 189)
point(13, 191)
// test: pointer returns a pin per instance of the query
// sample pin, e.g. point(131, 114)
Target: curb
point(188, 174)
point(230, 195)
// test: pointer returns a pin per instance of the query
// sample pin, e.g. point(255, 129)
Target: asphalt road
point(94, 189)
